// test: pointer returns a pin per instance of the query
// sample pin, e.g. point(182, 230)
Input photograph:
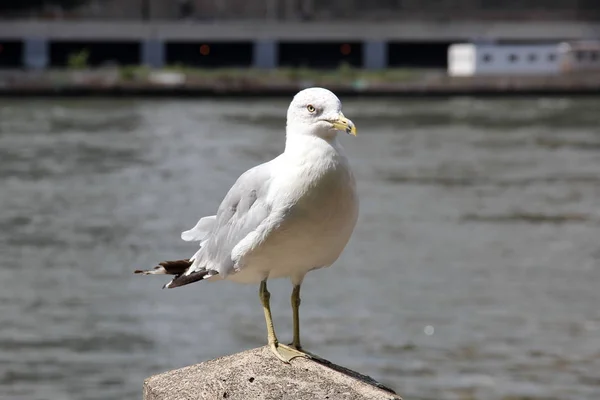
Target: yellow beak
point(344, 124)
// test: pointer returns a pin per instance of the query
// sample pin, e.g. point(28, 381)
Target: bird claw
point(287, 353)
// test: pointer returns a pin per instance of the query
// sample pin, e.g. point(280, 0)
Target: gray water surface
point(474, 271)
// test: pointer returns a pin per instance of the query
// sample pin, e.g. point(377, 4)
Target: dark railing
point(313, 9)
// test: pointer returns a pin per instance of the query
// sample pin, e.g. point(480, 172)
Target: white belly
point(314, 233)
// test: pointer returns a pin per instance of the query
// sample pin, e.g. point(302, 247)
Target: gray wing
point(242, 211)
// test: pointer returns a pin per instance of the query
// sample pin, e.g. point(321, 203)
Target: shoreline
point(150, 93)
point(347, 82)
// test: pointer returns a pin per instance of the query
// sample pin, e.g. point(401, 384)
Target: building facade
point(471, 59)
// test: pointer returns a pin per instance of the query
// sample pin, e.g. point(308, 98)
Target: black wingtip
point(183, 279)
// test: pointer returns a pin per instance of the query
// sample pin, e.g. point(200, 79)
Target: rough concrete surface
point(258, 374)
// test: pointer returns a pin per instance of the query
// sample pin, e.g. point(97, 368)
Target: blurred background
point(474, 270)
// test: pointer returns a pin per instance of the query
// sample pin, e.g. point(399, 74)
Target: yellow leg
point(265, 298)
point(283, 352)
point(296, 316)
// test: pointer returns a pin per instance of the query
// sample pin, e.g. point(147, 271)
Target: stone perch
point(257, 374)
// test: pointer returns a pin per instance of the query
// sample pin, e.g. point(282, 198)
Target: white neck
point(300, 143)
point(300, 135)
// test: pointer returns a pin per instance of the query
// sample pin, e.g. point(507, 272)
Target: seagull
point(282, 218)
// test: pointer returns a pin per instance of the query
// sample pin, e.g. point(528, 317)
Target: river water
point(473, 273)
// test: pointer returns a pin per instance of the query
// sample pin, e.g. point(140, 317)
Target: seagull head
point(317, 112)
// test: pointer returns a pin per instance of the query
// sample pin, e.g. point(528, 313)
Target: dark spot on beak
point(349, 128)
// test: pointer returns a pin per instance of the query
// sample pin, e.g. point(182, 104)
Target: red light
point(205, 49)
point(345, 49)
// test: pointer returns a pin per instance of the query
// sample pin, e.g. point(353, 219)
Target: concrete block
point(257, 374)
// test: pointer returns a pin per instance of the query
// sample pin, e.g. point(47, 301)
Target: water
point(474, 271)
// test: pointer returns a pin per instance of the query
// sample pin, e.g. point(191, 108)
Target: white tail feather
point(199, 232)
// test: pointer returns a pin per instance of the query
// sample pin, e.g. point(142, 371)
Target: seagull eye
point(311, 109)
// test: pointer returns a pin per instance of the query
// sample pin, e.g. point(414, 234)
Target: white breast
point(321, 192)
